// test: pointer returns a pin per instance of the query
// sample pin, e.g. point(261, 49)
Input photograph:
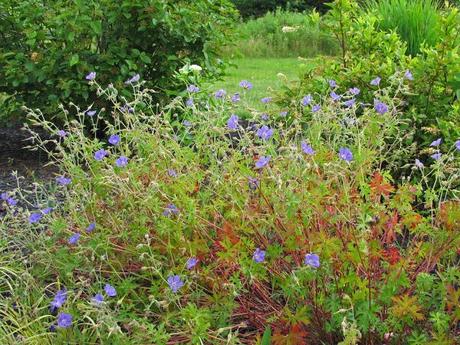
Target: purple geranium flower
point(127, 108)
point(35, 217)
point(110, 290)
point(172, 173)
point(408, 75)
point(376, 81)
point(11, 201)
point(59, 299)
point(191, 263)
point(436, 143)
point(345, 154)
point(122, 161)
point(380, 107)
point(114, 139)
point(236, 98)
point(232, 122)
point(175, 283)
point(283, 113)
point(189, 103)
point(265, 132)
point(266, 100)
point(98, 299)
point(350, 103)
point(47, 210)
point(316, 108)
point(335, 96)
point(133, 80)
point(91, 76)
point(436, 156)
point(253, 183)
point(354, 91)
point(264, 117)
point(74, 238)
point(259, 255)
point(62, 133)
point(419, 164)
point(306, 148)
point(90, 113)
point(219, 94)
point(193, 89)
point(64, 320)
point(332, 83)
point(306, 100)
point(246, 85)
point(91, 227)
point(4, 196)
point(100, 154)
point(457, 145)
point(262, 161)
point(170, 210)
point(63, 181)
point(312, 260)
point(187, 123)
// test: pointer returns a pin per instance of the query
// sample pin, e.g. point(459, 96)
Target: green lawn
point(262, 73)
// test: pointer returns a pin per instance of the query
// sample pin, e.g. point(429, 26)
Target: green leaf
point(266, 339)
point(74, 60)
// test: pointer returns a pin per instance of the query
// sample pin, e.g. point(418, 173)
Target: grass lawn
point(262, 73)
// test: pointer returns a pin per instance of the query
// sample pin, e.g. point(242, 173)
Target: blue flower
point(47, 210)
point(59, 299)
point(98, 299)
point(35, 217)
point(350, 103)
point(316, 108)
point(133, 80)
point(74, 238)
point(262, 161)
point(266, 100)
point(419, 164)
point(110, 290)
point(192, 262)
point(170, 210)
point(380, 107)
point(91, 113)
point(408, 75)
point(193, 89)
point(219, 94)
point(306, 100)
point(189, 103)
point(307, 149)
point(64, 320)
point(354, 91)
point(4, 196)
point(345, 154)
point(91, 227)
point(332, 83)
point(335, 96)
point(232, 122)
point(264, 117)
point(312, 260)
point(376, 81)
point(436, 143)
point(114, 139)
point(172, 173)
point(100, 154)
point(265, 132)
point(187, 123)
point(11, 201)
point(236, 98)
point(457, 145)
point(122, 161)
point(91, 76)
point(436, 156)
point(246, 85)
point(259, 255)
point(253, 183)
point(63, 181)
point(175, 283)
point(127, 108)
point(283, 113)
point(62, 133)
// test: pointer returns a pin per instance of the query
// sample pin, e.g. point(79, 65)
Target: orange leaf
point(379, 186)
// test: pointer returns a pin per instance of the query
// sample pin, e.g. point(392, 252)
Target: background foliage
point(256, 8)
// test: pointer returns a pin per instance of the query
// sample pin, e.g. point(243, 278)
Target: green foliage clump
point(47, 48)
point(282, 34)
point(296, 230)
point(417, 22)
point(258, 8)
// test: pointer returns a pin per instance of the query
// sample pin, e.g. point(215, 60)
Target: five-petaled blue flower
point(408, 75)
point(354, 91)
point(345, 154)
point(64, 320)
point(246, 85)
point(232, 122)
point(283, 113)
point(170, 210)
point(436, 143)
point(236, 98)
point(316, 108)
point(175, 283)
point(306, 100)
point(59, 299)
point(172, 173)
point(259, 255)
point(191, 263)
point(436, 156)
point(419, 164)
point(11, 201)
point(62, 133)
point(262, 161)
point(265, 132)
point(349, 103)
point(189, 103)
point(74, 238)
point(90, 112)
point(376, 81)
point(114, 139)
point(122, 161)
point(4, 196)
point(332, 83)
point(307, 149)
point(193, 89)
point(100, 154)
point(380, 107)
point(91, 76)
point(133, 80)
point(98, 299)
point(91, 227)
point(312, 260)
point(264, 117)
point(457, 145)
point(219, 94)
point(334, 96)
point(63, 181)
point(266, 100)
point(110, 290)
point(35, 217)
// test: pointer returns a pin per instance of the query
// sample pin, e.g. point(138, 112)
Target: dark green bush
point(257, 8)
point(47, 48)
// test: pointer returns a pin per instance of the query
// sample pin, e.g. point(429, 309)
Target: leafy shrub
point(415, 21)
point(282, 34)
point(258, 8)
point(431, 104)
point(219, 226)
point(47, 48)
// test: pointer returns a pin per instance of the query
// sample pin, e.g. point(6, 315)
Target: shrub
point(47, 48)
point(282, 34)
point(230, 221)
point(257, 8)
point(415, 21)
